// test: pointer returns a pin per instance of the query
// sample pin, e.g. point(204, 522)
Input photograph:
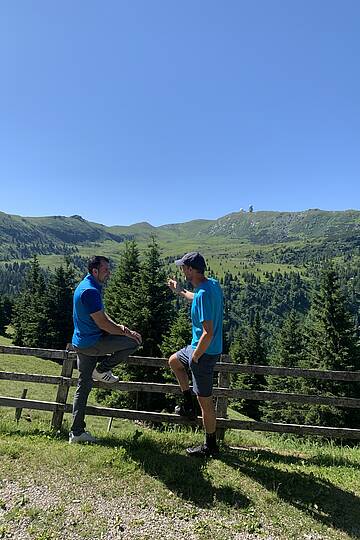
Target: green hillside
point(240, 239)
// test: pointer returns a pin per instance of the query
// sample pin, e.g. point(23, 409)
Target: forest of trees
point(308, 320)
point(42, 311)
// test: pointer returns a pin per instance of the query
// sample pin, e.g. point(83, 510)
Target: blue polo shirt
point(207, 305)
point(87, 300)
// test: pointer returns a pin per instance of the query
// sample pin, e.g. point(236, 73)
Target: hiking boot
point(203, 451)
point(106, 377)
point(188, 412)
point(85, 437)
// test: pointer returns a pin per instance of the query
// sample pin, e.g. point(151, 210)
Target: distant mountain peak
point(143, 224)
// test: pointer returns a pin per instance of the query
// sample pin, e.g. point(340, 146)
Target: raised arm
point(177, 289)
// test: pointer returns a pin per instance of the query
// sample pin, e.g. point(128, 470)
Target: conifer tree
point(30, 318)
point(179, 335)
point(2, 318)
point(250, 351)
point(156, 300)
point(138, 296)
point(122, 295)
point(288, 352)
point(331, 345)
point(59, 307)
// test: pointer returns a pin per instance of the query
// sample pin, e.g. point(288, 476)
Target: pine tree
point(157, 301)
point(30, 317)
point(2, 318)
point(8, 305)
point(138, 296)
point(288, 352)
point(252, 352)
point(58, 303)
point(122, 295)
point(157, 312)
point(331, 345)
point(179, 334)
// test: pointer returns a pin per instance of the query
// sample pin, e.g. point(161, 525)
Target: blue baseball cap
point(193, 259)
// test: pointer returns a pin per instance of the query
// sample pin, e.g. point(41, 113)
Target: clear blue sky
point(163, 111)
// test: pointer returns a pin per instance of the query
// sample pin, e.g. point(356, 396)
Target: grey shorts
point(202, 372)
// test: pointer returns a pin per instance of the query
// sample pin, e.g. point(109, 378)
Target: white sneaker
point(106, 377)
point(84, 437)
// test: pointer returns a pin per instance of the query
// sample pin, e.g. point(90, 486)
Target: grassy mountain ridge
point(228, 236)
point(272, 227)
point(72, 230)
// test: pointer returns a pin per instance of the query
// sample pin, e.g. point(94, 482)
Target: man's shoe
point(188, 412)
point(203, 451)
point(83, 438)
point(106, 377)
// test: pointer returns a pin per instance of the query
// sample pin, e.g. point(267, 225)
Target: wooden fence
point(222, 392)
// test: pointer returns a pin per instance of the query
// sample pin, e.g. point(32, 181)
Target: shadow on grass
point(188, 478)
point(322, 460)
point(315, 496)
point(334, 461)
point(183, 475)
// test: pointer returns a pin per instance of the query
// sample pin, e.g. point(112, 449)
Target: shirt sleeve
point(204, 306)
point(91, 299)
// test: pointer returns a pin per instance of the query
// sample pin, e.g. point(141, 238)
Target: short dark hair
point(95, 262)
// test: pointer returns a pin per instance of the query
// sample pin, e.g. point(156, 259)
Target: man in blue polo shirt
point(100, 342)
point(201, 356)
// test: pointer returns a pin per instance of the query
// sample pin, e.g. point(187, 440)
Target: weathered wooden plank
point(220, 393)
point(30, 404)
point(62, 392)
point(345, 433)
point(288, 398)
point(350, 376)
point(228, 367)
point(50, 354)
point(137, 415)
point(228, 424)
point(131, 386)
point(33, 377)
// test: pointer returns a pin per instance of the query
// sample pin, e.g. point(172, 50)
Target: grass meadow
point(138, 483)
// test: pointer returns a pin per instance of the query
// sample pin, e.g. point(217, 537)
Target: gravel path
point(32, 511)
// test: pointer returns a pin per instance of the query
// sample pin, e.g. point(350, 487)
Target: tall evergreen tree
point(137, 295)
point(156, 299)
point(123, 294)
point(179, 334)
point(2, 318)
point(288, 352)
point(331, 345)
point(30, 317)
point(59, 306)
point(252, 352)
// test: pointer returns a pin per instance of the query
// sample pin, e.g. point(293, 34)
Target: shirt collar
point(94, 282)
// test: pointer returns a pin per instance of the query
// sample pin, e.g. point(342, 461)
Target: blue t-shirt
point(87, 300)
point(207, 305)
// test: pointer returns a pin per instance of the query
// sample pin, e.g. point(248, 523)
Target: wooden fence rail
point(222, 393)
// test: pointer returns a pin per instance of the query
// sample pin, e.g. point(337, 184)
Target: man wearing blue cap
point(206, 346)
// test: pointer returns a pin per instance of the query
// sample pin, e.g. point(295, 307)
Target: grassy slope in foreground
point(138, 483)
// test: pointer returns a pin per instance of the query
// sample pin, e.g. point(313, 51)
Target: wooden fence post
point(63, 391)
point(18, 410)
point(222, 402)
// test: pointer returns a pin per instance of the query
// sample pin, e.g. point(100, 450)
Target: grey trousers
point(119, 347)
